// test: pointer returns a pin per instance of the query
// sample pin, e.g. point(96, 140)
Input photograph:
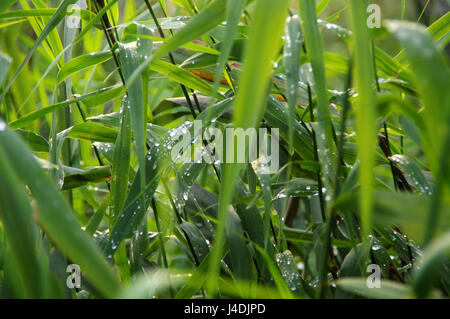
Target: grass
point(89, 118)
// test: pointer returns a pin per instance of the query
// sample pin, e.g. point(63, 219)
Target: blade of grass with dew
point(197, 239)
point(432, 85)
point(264, 41)
point(277, 116)
point(413, 173)
point(265, 183)
point(138, 200)
point(365, 109)
point(314, 48)
point(130, 61)
point(121, 166)
point(290, 273)
point(292, 50)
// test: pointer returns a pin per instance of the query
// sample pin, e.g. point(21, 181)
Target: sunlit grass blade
point(82, 62)
point(20, 229)
point(253, 84)
point(366, 114)
point(53, 22)
point(205, 21)
point(92, 99)
point(292, 51)
point(314, 50)
point(55, 216)
point(121, 167)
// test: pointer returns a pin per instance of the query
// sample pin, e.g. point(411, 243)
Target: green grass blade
point(6, 4)
point(264, 41)
point(292, 49)
point(205, 21)
point(314, 48)
point(20, 229)
point(121, 165)
point(135, 95)
point(55, 216)
point(82, 62)
point(431, 78)
point(5, 61)
point(388, 290)
point(91, 99)
point(51, 25)
point(186, 78)
point(427, 274)
point(366, 113)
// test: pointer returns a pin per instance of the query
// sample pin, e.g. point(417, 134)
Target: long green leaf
point(264, 41)
point(55, 216)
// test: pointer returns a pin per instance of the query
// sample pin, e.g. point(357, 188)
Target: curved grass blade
point(36, 142)
point(290, 273)
point(432, 85)
point(195, 236)
point(184, 77)
point(427, 274)
point(82, 62)
point(55, 216)
point(388, 290)
point(91, 99)
point(90, 175)
point(20, 230)
point(205, 21)
point(413, 173)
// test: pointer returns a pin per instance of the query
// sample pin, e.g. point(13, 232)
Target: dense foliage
point(91, 108)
